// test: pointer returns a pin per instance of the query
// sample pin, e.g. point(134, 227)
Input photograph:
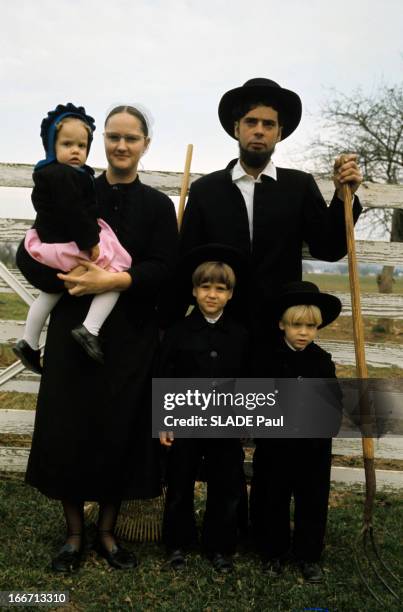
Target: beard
point(255, 159)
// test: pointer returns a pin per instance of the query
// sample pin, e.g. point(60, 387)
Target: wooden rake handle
point(185, 184)
point(361, 366)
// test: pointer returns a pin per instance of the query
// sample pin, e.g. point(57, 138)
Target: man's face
point(258, 132)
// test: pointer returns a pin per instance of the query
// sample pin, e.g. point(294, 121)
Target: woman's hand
point(77, 271)
point(95, 280)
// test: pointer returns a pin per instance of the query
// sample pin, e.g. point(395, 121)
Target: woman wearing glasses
point(92, 437)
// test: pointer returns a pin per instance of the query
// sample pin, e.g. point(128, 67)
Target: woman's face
point(125, 143)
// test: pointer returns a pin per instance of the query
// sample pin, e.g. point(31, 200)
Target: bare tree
point(372, 127)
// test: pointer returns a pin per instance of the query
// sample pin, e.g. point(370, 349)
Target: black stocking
point(74, 515)
point(108, 514)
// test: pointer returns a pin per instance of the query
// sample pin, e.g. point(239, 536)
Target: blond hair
point(302, 313)
point(70, 118)
point(214, 272)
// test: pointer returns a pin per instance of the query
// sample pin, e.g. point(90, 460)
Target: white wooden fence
point(383, 305)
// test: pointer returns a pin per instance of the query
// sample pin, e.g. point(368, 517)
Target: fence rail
point(372, 304)
point(372, 195)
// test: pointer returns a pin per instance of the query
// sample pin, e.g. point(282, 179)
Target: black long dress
point(92, 437)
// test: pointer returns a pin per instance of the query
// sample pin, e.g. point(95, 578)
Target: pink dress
point(64, 256)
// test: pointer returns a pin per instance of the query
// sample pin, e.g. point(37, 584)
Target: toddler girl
point(67, 228)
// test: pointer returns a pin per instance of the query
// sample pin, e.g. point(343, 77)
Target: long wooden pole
point(361, 365)
point(185, 184)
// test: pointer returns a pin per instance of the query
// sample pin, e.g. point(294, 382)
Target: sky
point(178, 58)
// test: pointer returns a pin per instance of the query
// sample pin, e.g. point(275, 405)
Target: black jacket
point(193, 348)
point(66, 206)
point(311, 409)
point(281, 361)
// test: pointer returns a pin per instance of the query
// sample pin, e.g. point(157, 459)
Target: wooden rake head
point(139, 520)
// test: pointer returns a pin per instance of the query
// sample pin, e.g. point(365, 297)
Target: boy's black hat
point(306, 293)
point(259, 90)
point(214, 251)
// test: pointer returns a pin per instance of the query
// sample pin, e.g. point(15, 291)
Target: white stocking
point(37, 315)
point(101, 307)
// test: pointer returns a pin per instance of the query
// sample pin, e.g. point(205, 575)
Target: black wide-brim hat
point(306, 293)
point(260, 90)
point(214, 251)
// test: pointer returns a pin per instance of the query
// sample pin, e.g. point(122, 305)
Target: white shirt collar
point(210, 320)
point(289, 345)
point(238, 172)
point(292, 348)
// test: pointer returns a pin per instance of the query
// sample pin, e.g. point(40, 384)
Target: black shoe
point(67, 559)
point(89, 342)
point(30, 358)
point(176, 559)
point(312, 572)
point(221, 564)
point(118, 557)
point(272, 567)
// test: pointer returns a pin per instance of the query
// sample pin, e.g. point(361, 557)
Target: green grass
point(12, 400)
point(7, 357)
point(12, 307)
point(33, 527)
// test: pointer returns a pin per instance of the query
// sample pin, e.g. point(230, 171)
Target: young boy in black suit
point(298, 467)
point(206, 344)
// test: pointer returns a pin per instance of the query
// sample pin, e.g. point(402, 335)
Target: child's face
point(212, 298)
point(71, 143)
point(300, 333)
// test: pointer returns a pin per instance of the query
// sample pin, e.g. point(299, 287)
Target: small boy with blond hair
point(295, 467)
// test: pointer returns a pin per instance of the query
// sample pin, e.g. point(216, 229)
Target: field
point(12, 307)
point(338, 282)
point(29, 537)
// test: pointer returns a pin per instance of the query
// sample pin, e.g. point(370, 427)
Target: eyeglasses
point(128, 138)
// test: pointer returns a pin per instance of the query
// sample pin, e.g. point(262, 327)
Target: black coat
point(280, 361)
point(308, 408)
point(92, 436)
point(193, 348)
point(287, 212)
point(66, 206)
